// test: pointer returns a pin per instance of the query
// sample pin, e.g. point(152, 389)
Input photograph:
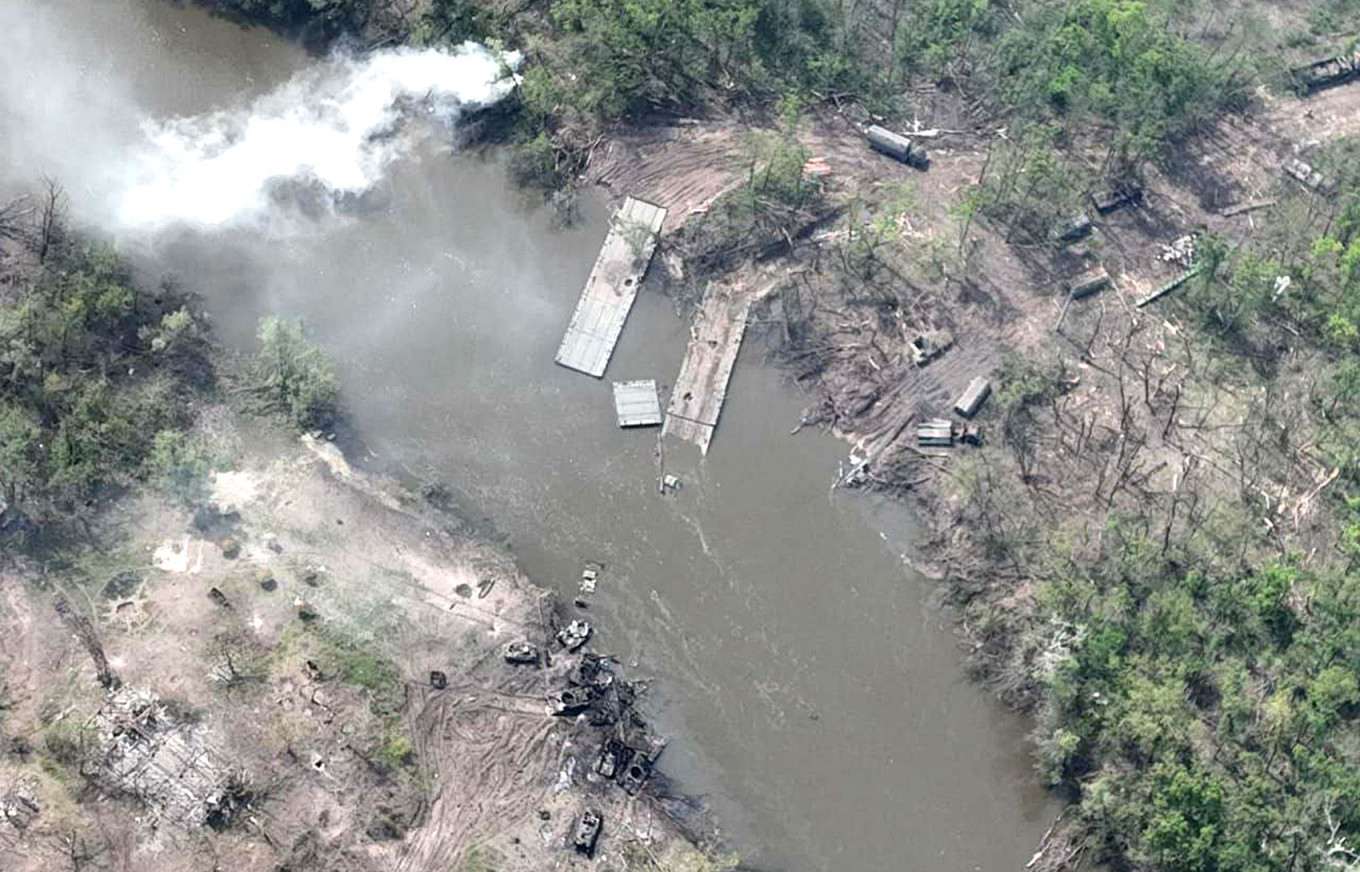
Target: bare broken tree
point(85, 632)
point(53, 216)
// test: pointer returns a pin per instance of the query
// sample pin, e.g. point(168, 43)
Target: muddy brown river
point(814, 696)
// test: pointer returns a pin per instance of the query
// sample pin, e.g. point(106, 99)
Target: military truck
point(895, 145)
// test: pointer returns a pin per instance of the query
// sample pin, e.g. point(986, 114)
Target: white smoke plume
point(337, 125)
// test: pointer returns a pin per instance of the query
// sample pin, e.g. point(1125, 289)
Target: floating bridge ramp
point(612, 287)
point(701, 388)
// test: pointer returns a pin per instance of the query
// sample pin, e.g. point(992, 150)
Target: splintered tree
point(85, 632)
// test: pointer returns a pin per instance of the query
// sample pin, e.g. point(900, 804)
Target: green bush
point(293, 377)
point(180, 466)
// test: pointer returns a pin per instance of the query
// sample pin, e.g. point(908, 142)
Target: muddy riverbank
point(316, 670)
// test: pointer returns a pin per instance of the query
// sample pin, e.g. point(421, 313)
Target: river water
point(814, 696)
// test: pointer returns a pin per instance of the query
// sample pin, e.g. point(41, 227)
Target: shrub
point(293, 377)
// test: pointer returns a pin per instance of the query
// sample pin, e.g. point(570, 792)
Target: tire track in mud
point(492, 758)
point(683, 170)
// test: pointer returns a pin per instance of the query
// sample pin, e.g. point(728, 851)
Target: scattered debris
point(973, 398)
point(574, 635)
point(484, 587)
point(438, 680)
point(305, 611)
point(1121, 194)
point(147, 751)
point(587, 832)
point(815, 167)
point(929, 345)
point(19, 807)
point(897, 146)
point(520, 652)
point(636, 403)
point(592, 671)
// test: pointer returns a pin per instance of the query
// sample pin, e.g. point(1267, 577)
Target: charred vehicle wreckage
point(628, 749)
point(585, 686)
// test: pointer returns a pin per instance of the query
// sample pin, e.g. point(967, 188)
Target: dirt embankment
point(311, 675)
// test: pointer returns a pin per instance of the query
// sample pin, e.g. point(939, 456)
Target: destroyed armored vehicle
point(574, 635)
point(1304, 174)
point(1119, 194)
point(592, 671)
point(1325, 73)
point(635, 774)
point(520, 652)
point(438, 680)
point(1076, 228)
point(572, 700)
point(929, 345)
point(614, 755)
point(587, 832)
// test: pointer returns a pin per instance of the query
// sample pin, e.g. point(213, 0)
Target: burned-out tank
point(614, 755)
point(572, 700)
point(635, 774)
point(520, 652)
point(592, 671)
point(1119, 194)
point(586, 832)
point(1325, 73)
point(574, 635)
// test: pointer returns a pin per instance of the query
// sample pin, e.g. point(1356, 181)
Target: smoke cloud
point(337, 125)
point(96, 96)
